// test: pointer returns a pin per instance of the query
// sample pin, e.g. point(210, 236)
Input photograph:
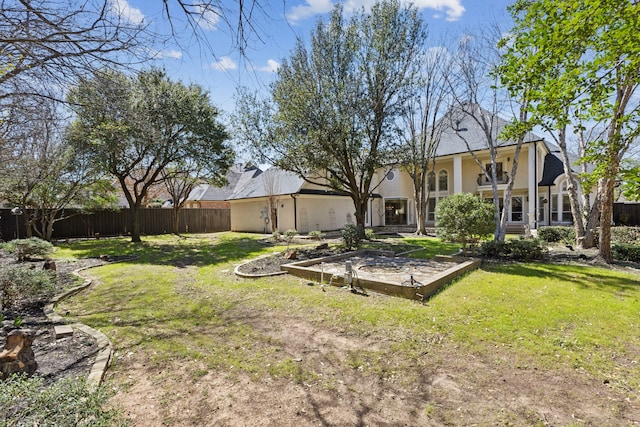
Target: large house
point(538, 197)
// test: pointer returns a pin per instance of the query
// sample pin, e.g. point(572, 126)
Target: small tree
point(464, 218)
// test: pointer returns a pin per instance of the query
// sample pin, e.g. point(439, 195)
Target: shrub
point(316, 234)
point(517, 249)
point(525, 250)
point(289, 235)
point(627, 235)
point(68, 402)
point(626, 252)
point(28, 248)
point(351, 236)
point(369, 234)
point(23, 286)
point(557, 234)
point(276, 236)
point(464, 218)
point(493, 249)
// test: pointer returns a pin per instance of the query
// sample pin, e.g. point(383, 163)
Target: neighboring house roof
point(208, 192)
point(459, 127)
point(272, 182)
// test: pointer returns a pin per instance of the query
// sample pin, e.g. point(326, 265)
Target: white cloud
point(224, 63)
point(123, 9)
point(452, 9)
point(172, 54)
point(271, 67)
point(309, 9)
point(208, 16)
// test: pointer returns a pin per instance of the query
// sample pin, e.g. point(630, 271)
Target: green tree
point(630, 177)
point(334, 108)
point(464, 218)
point(581, 59)
point(134, 128)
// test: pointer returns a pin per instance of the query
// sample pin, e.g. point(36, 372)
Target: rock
point(291, 254)
point(17, 356)
point(49, 265)
point(106, 258)
point(322, 246)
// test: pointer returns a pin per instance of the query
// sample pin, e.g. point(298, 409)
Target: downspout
point(549, 205)
point(295, 211)
point(535, 198)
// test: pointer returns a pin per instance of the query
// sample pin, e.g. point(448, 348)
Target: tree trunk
point(421, 197)
point(135, 224)
point(576, 208)
point(360, 214)
point(592, 221)
point(175, 218)
point(606, 219)
point(273, 214)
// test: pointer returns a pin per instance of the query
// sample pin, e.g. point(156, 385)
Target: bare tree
point(424, 128)
point(272, 189)
point(478, 100)
point(49, 43)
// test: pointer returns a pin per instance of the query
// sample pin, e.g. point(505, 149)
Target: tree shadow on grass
point(172, 250)
point(587, 277)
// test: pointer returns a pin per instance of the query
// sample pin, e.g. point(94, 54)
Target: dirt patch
point(445, 386)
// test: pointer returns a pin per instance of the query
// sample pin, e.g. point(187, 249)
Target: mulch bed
point(57, 358)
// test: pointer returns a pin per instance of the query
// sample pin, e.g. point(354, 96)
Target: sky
point(214, 61)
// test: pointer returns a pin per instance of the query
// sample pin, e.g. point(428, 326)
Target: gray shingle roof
point(274, 181)
point(234, 175)
point(460, 127)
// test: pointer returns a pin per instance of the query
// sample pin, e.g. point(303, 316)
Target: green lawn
point(543, 316)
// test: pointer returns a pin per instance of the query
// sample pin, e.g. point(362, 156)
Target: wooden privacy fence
point(116, 223)
point(626, 214)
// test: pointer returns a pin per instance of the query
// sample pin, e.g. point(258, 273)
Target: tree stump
point(17, 356)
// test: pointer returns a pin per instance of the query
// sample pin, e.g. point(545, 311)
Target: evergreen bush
point(554, 234)
point(25, 249)
point(351, 237)
point(23, 286)
point(626, 252)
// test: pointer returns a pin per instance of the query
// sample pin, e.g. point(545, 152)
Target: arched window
point(443, 180)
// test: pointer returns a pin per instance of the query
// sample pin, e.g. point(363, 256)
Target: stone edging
point(105, 348)
point(238, 273)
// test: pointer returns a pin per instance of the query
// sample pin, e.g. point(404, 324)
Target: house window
point(567, 216)
point(431, 209)
point(561, 206)
point(390, 176)
point(443, 181)
point(516, 209)
point(500, 203)
point(542, 209)
point(395, 211)
point(501, 177)
point(431, 179)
